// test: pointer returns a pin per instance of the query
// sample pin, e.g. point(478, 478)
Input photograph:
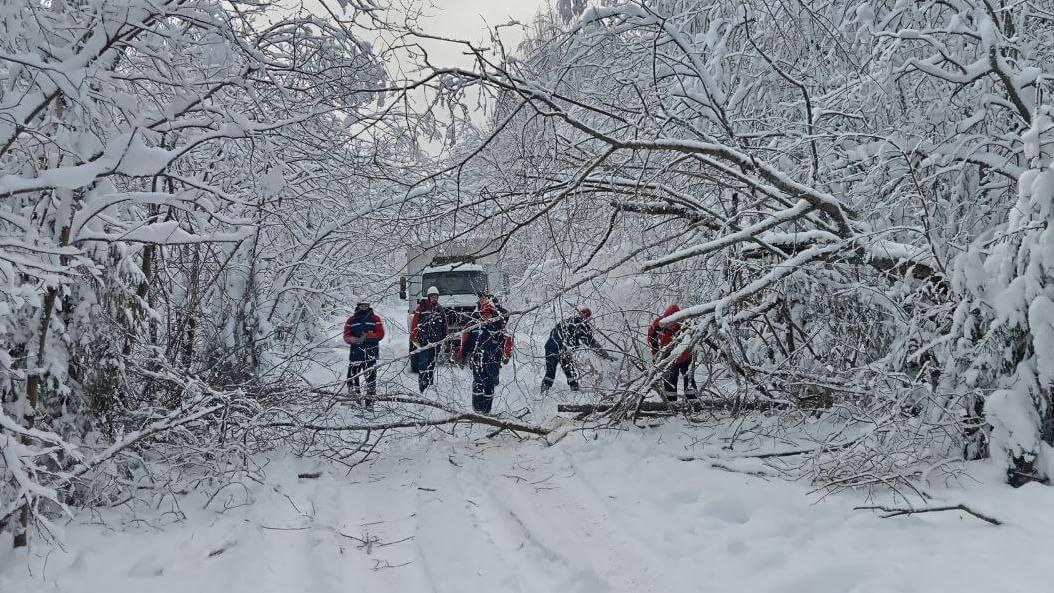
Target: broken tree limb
point(196, 409)
point(461, 417)
point(728, 465)
point(455, 415)
point(520, 416)
point(826, 448)
point(561, 429)
point(821, 449)
point(896, 512)
point(672, 407)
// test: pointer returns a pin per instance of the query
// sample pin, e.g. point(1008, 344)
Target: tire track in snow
point(571, 525)
point(651, 520)
point(382, 511)
point(568, 538)
point(455, 551)
point(327, 561)
point(536, 563)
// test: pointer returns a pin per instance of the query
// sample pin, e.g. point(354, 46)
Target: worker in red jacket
point(363, 332)
point(485, 346)
point(661, 339)
point(501, 312)
point(428, 328)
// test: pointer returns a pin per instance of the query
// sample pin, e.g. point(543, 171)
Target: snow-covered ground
point(614, 510)
point(617, 512)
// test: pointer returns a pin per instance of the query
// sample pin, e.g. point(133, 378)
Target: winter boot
point(481, 402)
point(573, 386)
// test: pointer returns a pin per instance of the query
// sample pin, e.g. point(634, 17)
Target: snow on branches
point(853, 188)
point(163, 166)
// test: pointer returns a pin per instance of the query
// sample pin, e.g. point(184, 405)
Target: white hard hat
point(358, 299)
point(432, 290)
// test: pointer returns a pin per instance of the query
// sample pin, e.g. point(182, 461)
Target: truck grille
point(460, 317)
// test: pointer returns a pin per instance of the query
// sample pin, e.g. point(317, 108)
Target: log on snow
point(680, 406)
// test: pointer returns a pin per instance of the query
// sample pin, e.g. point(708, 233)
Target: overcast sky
point(466, 20)
point(469, 19)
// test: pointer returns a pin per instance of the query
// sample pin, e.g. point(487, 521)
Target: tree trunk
point(33, 384)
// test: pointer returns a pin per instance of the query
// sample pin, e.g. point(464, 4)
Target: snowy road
point(610, 511)
point(619, 513)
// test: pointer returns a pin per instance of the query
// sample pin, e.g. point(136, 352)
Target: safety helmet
point(432, 290)
point(586, 312)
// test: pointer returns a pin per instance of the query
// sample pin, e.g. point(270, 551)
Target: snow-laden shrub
point(1006, 351)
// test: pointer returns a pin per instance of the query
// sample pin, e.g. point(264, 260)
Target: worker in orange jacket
point(661, 338)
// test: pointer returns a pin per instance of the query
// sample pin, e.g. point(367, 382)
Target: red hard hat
point(586, 312)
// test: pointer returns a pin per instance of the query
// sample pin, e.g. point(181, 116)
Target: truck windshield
point(455, 282)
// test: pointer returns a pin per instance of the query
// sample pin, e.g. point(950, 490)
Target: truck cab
point(459, 284)
point(459, 288)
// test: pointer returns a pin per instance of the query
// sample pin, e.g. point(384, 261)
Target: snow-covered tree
point(173, 174)
point(856, 191)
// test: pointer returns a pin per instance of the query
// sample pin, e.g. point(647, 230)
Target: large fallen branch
point(775, 454)
point(197, 408)
point(896, 512)
point(671, 407)
point(454, 415)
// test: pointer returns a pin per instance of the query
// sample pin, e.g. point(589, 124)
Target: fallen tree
point(672, 407)
point(454, 416)
point(802, 224)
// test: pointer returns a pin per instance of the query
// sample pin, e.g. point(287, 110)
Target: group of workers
point(486, 345)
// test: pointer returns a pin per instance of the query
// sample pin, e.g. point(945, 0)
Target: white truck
point(461, 272)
